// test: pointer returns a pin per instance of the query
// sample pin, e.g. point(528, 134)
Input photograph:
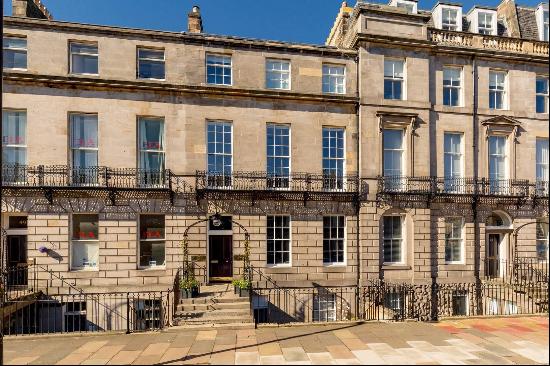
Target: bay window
point(393, 239)
point(278, 156)
point(84, 148)
point(151, 240)
point(151, 151)
point(85, 242)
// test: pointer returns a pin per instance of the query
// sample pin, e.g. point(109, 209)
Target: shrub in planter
point(242, 287)
point(189, 288)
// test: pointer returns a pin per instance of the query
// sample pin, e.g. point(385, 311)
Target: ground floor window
point(334, 228)
point(147, 314)
point(151, 240)
point(278, 240)
point(453, 239)
point(324, 307)
point(85, 242)
point(393, 239)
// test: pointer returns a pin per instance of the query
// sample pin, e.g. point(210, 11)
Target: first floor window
point(393, 159)
point(15, 53)
point(84, 58)
point(220, 154)
point(324, 307)
point(460, 303)
point(452, 85)
point(334, 228)
point(542, 163)
point(393, 239)
point(278, 240)
point(84, 148)
point(542, 94)
point(453, 239)
point(151, 151)
point(278, 156)
point(542, 240)
point(453, 161)
point(85, 241)
point(151, 240)
point(14, 146)
point(498, 160)
point(333, 158)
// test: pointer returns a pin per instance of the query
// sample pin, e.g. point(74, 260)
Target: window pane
point(85, 227)
point(15, 53)
point(151, 253)
point(84, 255)
point(151, 227)
point(84, 131)
point(278, 240)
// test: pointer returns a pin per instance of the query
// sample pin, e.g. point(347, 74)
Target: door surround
point(210, 233)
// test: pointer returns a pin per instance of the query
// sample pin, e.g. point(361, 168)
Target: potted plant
point(189, 288)
point(242, 287)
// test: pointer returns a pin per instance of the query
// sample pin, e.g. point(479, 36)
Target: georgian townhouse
point(412, 147)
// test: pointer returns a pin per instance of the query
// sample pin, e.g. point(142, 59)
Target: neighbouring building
point(412, 147)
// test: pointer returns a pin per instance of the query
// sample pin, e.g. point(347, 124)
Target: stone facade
point(362, 39)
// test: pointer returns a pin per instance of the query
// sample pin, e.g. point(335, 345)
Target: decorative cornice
point(86, 83)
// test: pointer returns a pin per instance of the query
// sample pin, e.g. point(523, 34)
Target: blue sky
point(304, 21)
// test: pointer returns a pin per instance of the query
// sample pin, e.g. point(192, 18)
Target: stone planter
point(189, 293)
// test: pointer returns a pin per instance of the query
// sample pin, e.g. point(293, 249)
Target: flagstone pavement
point(500, 341)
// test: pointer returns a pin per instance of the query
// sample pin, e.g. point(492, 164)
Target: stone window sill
point(396, 267)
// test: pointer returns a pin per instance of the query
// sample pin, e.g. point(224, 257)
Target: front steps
point(217, 307)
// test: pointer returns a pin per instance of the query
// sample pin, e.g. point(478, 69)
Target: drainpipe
point(358, 200)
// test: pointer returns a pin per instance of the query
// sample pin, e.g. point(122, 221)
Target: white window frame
point(395, 78)
point(222, 66)
point(344, 239)
point(545, 24)
point(541, 166)
point(449, 26)
point(74, 149)
point(16, 145)
point(277, 182)
point(542, 22)
point(328, 76)
point(500, 186)
point(83, 43)
point(277, 265)
point(83, 242)
point(271, 71)
point(486, 30)
point(324, 314)
point(334, 186)
point(152, 60)
point(459, 87)
point(223, 154)
point(395, 182)
point(402, 239)
point(26, 50)
point(460, 240)
point(495, 89)
point(543, 95)
point(140, 240)
point(162, 151)
point(542, 240)
point(453, 183)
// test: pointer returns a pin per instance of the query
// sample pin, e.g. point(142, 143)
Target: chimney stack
point(30, 9)
point(194, 20)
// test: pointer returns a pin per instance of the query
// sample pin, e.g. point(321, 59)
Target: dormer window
point(542, 21)
point(409, 5)
point(449, 19)
point(485, 23)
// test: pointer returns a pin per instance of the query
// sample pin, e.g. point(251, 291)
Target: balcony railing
point(60, 176)
point(457, 186)
point(488, 42)
point(262, 181)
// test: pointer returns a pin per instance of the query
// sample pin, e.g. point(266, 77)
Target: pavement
point(494, 341)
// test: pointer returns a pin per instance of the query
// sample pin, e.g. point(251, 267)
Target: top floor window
point(497, 90)
point(542, 94)
point(407, 6)
point(15, 53)
point(485, 23)
point(84, 58)
point(218, 70)
point(278, 74)
point(545, 26)
point(334, 79)
point(393, 79)
point(449, 19)
point(151, 64)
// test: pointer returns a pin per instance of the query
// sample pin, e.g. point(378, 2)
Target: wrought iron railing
point(454, 186)
point(518, 271)
point(18, 281)
point(263, 181)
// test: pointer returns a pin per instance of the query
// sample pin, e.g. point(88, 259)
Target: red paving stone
point(520, 328)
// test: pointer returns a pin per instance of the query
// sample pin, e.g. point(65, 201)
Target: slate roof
point(527, 23)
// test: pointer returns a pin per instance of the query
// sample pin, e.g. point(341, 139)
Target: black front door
point(493, 256)
point(17, 260)
point(221, 257)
